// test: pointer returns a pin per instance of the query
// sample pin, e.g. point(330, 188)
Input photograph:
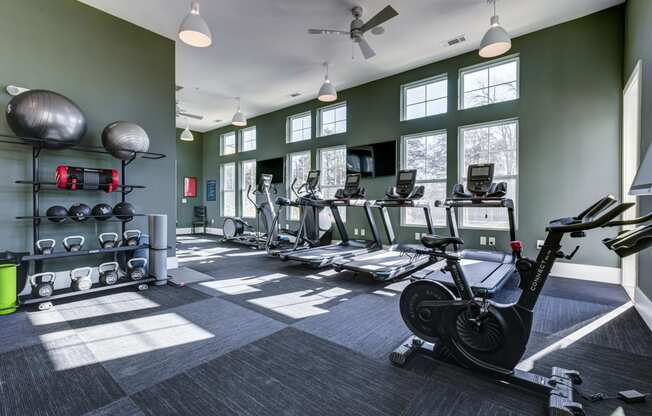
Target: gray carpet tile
point(281, 297)
point(289, 373)
point(60, 377)
point(126, 304)
point(584, 290)
point(122, 407)
point(142, 351)
point(370, 325)
point(24, 328)
point(186, 276)
point(627, 333)
point(553, 314)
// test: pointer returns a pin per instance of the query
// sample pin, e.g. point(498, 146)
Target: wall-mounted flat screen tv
point(372, 160)
point(275, 167)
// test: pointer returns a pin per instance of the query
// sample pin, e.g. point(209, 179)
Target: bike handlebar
point(594, 216)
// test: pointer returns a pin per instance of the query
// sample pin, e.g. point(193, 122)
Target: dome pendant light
point(193, 30)
point(239, 120)
point(186, 134)
point(496, 41)
point(327, 92)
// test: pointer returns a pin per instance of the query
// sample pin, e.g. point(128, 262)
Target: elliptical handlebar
point(592, 217)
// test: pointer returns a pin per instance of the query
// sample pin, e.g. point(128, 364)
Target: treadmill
point(351, 195)
point(486, 271)
point(396, 260)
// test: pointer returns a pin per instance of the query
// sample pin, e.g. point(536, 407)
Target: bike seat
point(282, 201)
point(439, 242)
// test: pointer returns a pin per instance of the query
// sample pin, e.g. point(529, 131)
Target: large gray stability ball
point(122, 138)
point(42, 114)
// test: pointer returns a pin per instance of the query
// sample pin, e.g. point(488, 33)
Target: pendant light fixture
point(186, 134)
point(327, 92)
point(239, 120)
point(496, 41)
point(193, 30)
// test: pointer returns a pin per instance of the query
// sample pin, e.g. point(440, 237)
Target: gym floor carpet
point(263, 337)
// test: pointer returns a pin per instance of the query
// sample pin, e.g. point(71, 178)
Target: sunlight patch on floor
point(301, 304)
point(241, 285)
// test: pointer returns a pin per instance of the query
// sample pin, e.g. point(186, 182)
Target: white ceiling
point(262, 53)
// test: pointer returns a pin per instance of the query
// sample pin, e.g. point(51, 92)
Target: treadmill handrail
point(485, 202)
point(401, 203)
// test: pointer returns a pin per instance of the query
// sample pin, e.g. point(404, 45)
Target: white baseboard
point(173, 263)
point(643, 306)
point(601, 274)
point(184, 231)
point(214, 231)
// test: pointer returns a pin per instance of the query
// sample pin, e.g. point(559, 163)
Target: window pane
point(434, 191)
point(476, 98)
point(340, 127)
point(492, 84)
point(503, 92)
point(340, 113)
point(436, 90)
point(476, 80)
point(332, 163)
point(328, 116)
point(415, 95)
point(415, 111)
point(248, 169)
point(299, 165)
point(436, 107)
point(297, 124)
point(502, 73)
point(328, 129)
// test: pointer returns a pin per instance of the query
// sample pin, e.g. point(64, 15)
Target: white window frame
point(497, 178)
point(332, 107)
point(241, 134)
point(243, 186)
point(235, 143)
point(338, 186)
point(223, 190)
point(288, 127)
point(419, 83)
point(487, 65)
point(290, 178)
point(404, 139)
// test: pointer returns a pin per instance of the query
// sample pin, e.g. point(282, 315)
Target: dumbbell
point(42, 284)
point(108, 240)
point(109, 273)
point(136, 268)
point(73, 242)
point(131, 237)
point(46, 246)
point(80, 279)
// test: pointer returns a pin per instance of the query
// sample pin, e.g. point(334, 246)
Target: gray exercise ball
point(42, 114)
point(122, 138)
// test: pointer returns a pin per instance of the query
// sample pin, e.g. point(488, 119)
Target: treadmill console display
point(313, 180)
point(405, 182)
point(480, 178)
point(352, 188)
point(265, 183)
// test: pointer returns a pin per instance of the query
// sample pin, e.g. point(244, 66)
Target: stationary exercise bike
point(487, 336)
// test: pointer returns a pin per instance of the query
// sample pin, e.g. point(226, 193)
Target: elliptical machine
point(486, 336)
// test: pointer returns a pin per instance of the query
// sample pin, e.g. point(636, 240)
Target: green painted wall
point(638, 45)
point(569, 114)
point(189, 163)
point(113, 70)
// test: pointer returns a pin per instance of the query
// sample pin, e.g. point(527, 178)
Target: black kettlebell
point(131, 237)
point(109, 273)
point(108, 240)
point(73, 242)
point(42, 284)
point(45, 246)
point(136, 268)
point(80, 279)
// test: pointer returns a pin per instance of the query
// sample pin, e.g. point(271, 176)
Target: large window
point(247, 180)
point(490, 83)
point(227, 144)
point(424, 98)
point(495, 143)
point(227, 189)
point(332, 119)
point(298, 166)
point(426, 152)
point(332, 164)
point(248, 139)
point(299, 127)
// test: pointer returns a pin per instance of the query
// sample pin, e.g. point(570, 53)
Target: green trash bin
point(8, 298)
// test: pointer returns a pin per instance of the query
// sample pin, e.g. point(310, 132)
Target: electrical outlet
point(362, 232)
point(212, 220)
point(483, 241)
point(184, 201)
point(492, 241)
point(539, 244)
point(355, 231)
point(417, 236)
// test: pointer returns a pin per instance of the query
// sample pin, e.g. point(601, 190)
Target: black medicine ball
point(57, 213)
point(79, 212)
point(124, 211)
point(102, 212)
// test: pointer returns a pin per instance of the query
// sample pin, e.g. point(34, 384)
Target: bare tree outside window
point(298, 167)
point(489, 84)
point(228, 189)
point(332, 164)
point(247, 178)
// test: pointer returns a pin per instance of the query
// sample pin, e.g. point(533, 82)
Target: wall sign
point(211, 190)
point(190, 187)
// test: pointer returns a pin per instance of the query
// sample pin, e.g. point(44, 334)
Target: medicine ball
point(79, 212)
point(42, 114)
point(102, 212)
point(124, 211)
point(122, 138)
point(57, 213)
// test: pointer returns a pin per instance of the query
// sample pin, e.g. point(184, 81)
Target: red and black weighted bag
point(73, 178)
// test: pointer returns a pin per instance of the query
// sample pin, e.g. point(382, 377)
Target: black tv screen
point(372, 160)
point(274, 167)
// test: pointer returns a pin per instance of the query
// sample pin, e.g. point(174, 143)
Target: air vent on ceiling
point(178, 87)
point(455, 41)
point(295, 94)
point(217, 121)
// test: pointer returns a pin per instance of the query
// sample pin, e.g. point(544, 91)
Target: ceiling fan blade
point(195, 116)
point(380, 18)
point(366, 49)
point(328, 32)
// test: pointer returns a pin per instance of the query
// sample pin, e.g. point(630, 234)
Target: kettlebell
point(46, 246)
point(136, 268)
point(80, 279)
point(73, 242)
point(42, 284)
point(109, 273)
point(131, 237)
point(108, 240)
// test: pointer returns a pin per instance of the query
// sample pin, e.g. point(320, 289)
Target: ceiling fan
point(181, 112)
point(359, 28)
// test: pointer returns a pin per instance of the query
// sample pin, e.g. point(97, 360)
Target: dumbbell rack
point(38, 145)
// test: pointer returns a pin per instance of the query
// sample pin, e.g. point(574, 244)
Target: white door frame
point(631, 140)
